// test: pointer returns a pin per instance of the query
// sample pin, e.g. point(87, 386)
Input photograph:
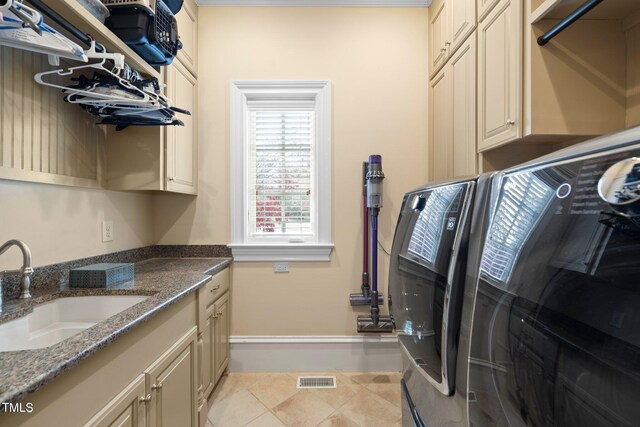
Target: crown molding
point(318, 3)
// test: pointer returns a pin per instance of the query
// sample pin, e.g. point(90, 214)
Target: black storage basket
point(152, 36)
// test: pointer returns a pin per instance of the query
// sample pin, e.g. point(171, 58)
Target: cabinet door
point(438, 30)
point(172, 381)
point(441, 116)
point(221, 335)
point(187, 20)
point(182, 141)
point(484, 7)
point(463, 20)
point(211, 360)
point(206, 362)
point(127, 409)
point(500, 75)
point(463, 77)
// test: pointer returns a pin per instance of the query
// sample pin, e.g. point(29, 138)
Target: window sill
point(284, 252)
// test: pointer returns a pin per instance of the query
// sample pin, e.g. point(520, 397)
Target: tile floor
point(272, 399)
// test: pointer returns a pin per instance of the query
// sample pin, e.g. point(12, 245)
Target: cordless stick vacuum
point(364, 298)
point(375, 322)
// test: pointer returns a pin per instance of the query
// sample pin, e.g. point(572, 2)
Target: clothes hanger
point(145, 97)
point(118, 101)
point(28, 20)
point(22, 27)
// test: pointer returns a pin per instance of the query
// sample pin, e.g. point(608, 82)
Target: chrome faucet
point(26, 271)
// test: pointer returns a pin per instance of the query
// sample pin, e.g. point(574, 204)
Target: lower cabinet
point(126, 410)
point(213, 336)
point(221, 337)
point(207, 380)
point(215, 354)
point(172, 382)
point(165, 394)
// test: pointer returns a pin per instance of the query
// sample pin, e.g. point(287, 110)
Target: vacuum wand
point(365, 234)
point(363, 298)
point(376, 322)
point(374, 204)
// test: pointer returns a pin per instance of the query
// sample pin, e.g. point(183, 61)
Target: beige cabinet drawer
point(218, 285)
point(209, 293)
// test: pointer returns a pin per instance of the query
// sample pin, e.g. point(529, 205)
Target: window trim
point(241, 92)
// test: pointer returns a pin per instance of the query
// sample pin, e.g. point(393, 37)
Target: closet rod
point(55, 17)
point(566, 22)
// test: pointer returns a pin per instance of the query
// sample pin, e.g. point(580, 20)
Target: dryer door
point(556, 327)
point(425, 303)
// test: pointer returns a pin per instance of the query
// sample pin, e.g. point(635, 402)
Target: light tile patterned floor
point(369, 399)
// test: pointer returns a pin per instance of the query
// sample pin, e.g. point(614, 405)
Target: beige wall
point(64, 223)
point(376, 60)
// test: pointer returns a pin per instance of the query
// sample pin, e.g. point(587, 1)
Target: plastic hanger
point(25, 15)
point(146, 98)
point(22, 27)
point(118, 94)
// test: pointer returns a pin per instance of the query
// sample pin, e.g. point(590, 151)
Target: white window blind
point(280, 134)
point(281, 196)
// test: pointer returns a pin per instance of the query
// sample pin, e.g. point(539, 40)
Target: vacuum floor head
point(360, 300)
point(384, 324)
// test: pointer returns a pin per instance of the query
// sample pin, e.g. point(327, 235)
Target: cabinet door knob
point(156, 386)
point(215, 288)
point(218, 314)
point(172, 179)
point(510, 122)
point(215, 316)
point(447, 44)
point(145, 399)
point(443, 50)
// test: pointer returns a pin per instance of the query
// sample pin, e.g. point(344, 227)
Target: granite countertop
point(165, 280)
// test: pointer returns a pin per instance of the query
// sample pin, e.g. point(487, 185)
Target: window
point(281, 171)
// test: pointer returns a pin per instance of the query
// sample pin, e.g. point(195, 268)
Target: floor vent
point(316, 382)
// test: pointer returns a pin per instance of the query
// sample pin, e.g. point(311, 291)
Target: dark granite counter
point(165, 280)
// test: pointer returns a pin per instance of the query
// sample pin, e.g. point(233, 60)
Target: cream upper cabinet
point(462, 22)
point(440, 125)
point(438, 31)
point(127, 409)
point(463, 97)
point(453, 115)
point(161, 158)
point(450, 23)
point(500, 75)
point(172, 385)
point(182, 141)
point(187, 20)
point(221, 338)
point(484, 7)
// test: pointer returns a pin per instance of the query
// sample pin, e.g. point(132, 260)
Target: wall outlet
point(107, 231)
point(281, 267)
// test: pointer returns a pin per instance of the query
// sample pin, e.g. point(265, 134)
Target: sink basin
point(57, 320)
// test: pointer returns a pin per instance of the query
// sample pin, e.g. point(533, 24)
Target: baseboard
point(314, 354)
